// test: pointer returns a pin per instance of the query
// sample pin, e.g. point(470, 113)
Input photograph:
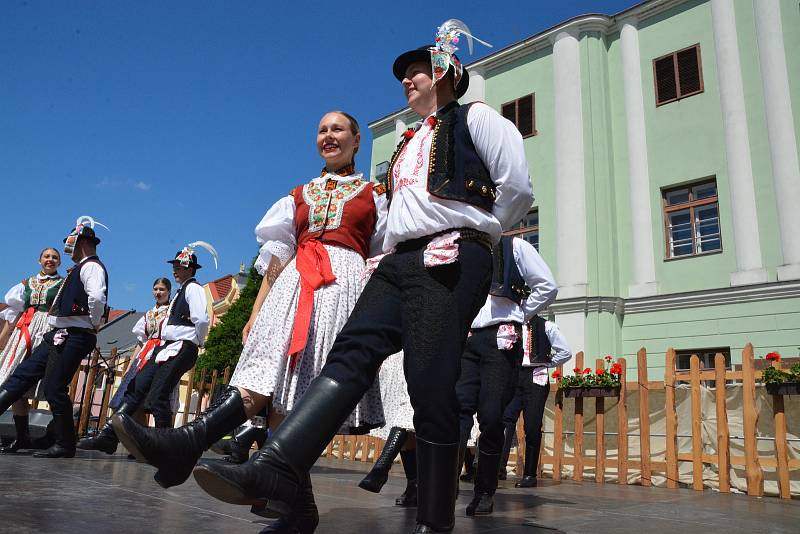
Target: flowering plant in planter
point(773, 375)
point(608, 376)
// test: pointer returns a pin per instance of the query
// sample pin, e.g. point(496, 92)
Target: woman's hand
point(246, 330)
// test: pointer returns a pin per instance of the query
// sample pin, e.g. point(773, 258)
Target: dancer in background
point(545, 347)
point(148, 331)
point(77, 313)
point(28, 302)
point(522, 285)
point(314, 243)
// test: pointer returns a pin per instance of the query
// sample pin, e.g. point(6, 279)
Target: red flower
point(556, 374)
point(609, 358)
point(616, 369)
point(408, 134)
point(587, 371)
point(577, 370)
point(773, 356)
point(601, 372)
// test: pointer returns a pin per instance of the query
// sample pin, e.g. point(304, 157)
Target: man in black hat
point(77, 313)
point(445, 215)
point(183, 332)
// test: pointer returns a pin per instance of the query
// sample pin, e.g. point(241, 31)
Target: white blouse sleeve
point(15, 298)
point(275, 234)
point(537, 275)
point(139, 330)
point(499, 145)
point(381, 212)
point(561, 352)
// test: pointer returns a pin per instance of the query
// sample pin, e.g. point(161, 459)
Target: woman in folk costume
point(314, 244)
point(148, 331)
point(28, 303)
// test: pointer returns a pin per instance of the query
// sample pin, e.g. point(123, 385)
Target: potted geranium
point(602, 382)
point(778, 381)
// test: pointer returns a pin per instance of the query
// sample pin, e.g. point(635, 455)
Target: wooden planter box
point(787, 388)
point(608, 391)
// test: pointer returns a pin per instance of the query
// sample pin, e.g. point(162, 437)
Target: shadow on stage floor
point(95, 493)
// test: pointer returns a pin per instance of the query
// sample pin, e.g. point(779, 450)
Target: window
point(522, 113)
point(528, 228)
point(381, 172)
point(678, 75)
point(691, 220)
point(683, 359)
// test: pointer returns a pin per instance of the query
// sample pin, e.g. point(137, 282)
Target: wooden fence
point(99, 384)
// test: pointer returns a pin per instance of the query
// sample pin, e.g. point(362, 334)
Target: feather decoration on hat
point(83, 219)
point(210, 248)
point(444, 49)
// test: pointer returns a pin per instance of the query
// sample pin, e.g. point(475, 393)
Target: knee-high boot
point(437, 472)
point(64, 447)
point(274, 474)
point(379, 474)
point(242, 442)
point(509, 439)
point(485, 484)
point(106, 439)
point(408, 499)
point(304, 517)
point(23, 440)
point(175, 451)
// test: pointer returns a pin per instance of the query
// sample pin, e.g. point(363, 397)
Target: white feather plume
point(86, 219)
point(461, 27)
point(210, 248)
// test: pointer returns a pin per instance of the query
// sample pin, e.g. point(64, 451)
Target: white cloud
point(141, 186)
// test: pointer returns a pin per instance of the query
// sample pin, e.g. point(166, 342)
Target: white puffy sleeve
point(560, 348)
point(139, 330)
point(275, 234)
point(381, 212)
point(537, 275)
point(15, 299)
point(499, 145)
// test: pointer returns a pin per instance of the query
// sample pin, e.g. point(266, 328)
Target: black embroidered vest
point(455, 171)
point(540, 343)
point(72, 300)
point(507, 281)
point(180, 315)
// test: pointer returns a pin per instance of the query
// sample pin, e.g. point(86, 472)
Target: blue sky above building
point(179, 121)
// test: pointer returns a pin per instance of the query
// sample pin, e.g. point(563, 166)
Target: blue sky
point(177, 121)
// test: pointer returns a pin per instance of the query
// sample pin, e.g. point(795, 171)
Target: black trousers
point(426, 312)
point(529, 399)
point(153, 384)
point(56, 365)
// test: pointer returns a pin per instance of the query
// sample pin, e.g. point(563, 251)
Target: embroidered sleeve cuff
point(282, 251)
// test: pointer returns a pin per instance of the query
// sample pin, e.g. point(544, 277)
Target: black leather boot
point(175, 451)
point(6, 400)
point(510, 430)
point(528, 479)
point(304, 517)
point(273, 475)
point(46, 441)
point(106, 439)
point(485, 485)
point(379, 474)
point(23, 440)
point(437, 474)
point(64, 447)
point(409, 497)
point(242, 442)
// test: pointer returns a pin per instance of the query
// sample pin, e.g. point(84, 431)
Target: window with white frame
point(691, 219)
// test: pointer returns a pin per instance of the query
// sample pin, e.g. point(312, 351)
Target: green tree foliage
point(224, 343)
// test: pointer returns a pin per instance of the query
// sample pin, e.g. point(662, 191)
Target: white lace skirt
point(14, 352)
point(397, 408)
point(264, 365)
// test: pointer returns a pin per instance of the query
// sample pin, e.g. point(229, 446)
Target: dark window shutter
point(510, 111)
point(689, 71)
point(525, 109)
point(666, 86)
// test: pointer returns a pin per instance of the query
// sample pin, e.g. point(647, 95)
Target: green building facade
point(663, 149)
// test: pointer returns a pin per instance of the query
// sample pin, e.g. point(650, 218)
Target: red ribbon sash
point(147, 349)
point(314, 266)
point(23, 324)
